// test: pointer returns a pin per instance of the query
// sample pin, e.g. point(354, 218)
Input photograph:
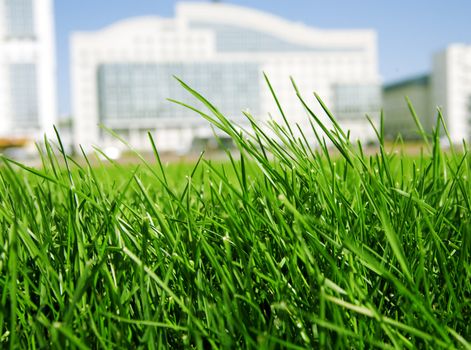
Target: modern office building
point(447, 86)
point(397, 114)
point(27, 69)
point(122, 75)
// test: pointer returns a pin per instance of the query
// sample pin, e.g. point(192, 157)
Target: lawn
point(284, 245)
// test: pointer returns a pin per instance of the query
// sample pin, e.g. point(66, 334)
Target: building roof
point(197, 15)
point(423, 79)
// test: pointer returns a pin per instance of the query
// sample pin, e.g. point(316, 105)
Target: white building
point(123, 74)
point(451, 89)
point(27, 69)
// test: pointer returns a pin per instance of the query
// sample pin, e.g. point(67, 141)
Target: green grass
point(283, 246)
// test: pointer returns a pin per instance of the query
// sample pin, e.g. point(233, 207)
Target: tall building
point(27, 69)
point(122, 75)
point(447, 86)
point(451, 89)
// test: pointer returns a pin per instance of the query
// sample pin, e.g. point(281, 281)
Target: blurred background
point(94, 68)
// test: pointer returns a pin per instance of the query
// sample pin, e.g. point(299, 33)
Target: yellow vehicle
point(9, 142)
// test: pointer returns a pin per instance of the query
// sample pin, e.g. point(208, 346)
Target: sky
point(409, 32)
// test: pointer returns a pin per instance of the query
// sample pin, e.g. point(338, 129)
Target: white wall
point(452, 89)
point(47, 79)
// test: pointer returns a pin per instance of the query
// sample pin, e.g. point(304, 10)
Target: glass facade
point(19, 19)
point(354, 100)
point(230, 38)
point(139, 91)
point(24, 98)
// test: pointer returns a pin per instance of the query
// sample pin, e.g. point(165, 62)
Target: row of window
point(354, 100)
point(19, 19)
point(140, 91)
point(23, 94)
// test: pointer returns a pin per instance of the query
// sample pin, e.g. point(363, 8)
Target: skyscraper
point(27, 68)
point(123, 74)
point(451, 89)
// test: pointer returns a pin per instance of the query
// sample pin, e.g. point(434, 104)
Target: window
point(355, 100)
point(19, 19)
point(24, 99)
point(139, 91)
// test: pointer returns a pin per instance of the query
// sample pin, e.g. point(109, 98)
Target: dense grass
point(286, 246)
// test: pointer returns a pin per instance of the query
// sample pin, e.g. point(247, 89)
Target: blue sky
point(409, 32)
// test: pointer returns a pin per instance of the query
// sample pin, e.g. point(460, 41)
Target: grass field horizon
point(284, 245)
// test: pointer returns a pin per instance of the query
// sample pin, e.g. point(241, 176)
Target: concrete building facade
point(28, 107)
point(122, 75)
